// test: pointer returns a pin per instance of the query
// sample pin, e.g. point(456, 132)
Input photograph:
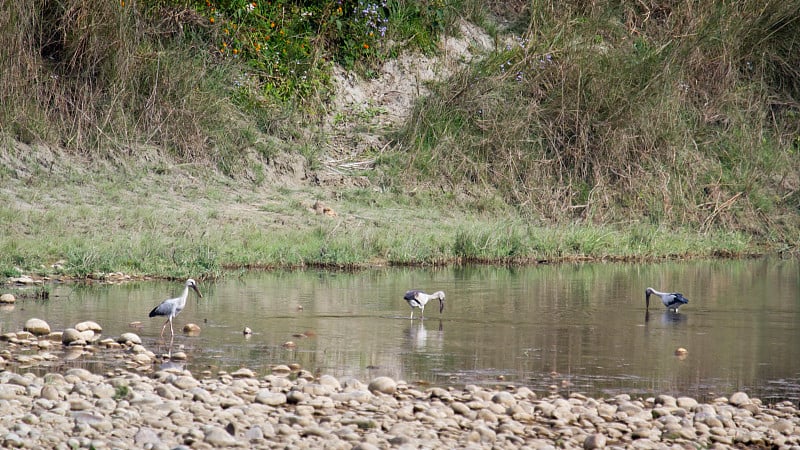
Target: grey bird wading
point(672, 300)
point(418, 299)
point(172, 307)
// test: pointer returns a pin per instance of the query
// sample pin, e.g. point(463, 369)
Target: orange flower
point(211, 19)
point(236, 51)
point(122, 3)
point(272, 24)
point(366, 46)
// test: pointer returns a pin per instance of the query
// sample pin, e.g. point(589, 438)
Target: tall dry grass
point(104, 79)
point(682, 114)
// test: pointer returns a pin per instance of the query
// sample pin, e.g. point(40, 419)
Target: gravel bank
point(171, 409)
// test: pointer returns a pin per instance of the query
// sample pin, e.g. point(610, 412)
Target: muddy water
point(574, 328)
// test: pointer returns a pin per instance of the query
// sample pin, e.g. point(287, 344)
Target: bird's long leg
point(412, 313)
point(170, 327)
point(422, 312)
point(164, 328)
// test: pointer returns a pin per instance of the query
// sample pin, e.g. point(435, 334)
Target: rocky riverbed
point(169, 409)
point(149, 401)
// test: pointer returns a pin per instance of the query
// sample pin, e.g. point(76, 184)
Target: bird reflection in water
point(167, 354)
point(667, 317)
point(417, 335)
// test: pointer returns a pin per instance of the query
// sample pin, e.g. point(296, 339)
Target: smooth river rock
point(37, 327)
point(129, 338)
point(70, 335)
point(384, 385)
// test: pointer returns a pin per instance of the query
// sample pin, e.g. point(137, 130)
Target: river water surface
point(572, 328)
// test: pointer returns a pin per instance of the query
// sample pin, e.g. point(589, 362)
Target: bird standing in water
point(672, 300)
point(173, 306)
point(418, 299)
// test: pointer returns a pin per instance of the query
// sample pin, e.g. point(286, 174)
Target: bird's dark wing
point(164, 309)
point(676, 299)
point(412, 294)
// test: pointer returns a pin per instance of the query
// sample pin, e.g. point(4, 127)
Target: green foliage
point(287, 47)
point(121, 392)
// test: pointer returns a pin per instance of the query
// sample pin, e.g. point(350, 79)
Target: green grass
point(199, 232)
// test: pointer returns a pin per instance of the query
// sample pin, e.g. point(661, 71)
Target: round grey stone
point(739, 399)
point(133, 338)
point(37, 327)
point(504, 398)
point(218, 437)
point(594, 441)
point(270, 398)
point(70, 335)
point(384, 385)
point(88, 325)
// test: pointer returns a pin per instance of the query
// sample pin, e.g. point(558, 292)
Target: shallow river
point(574, 328)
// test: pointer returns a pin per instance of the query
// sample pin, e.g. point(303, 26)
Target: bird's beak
point(197, 290)
point(647, 300)
point(441, 305)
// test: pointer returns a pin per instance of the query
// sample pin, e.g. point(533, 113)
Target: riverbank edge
point(13, 284)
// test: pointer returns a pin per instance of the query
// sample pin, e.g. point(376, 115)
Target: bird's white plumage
point(173, 306)
point(418, 299)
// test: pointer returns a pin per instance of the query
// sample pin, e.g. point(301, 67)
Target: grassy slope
point(196, 204)
point(183, 221)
